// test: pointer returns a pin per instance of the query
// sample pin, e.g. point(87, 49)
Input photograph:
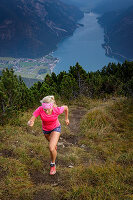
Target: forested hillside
point(103, 6)
point(118, 28)
point(33, 28)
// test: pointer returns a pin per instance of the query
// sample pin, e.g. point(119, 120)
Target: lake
point(84, 47)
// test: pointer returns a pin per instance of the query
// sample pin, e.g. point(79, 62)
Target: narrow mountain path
point(69, 141)
point(65, 142)
point(74, 127)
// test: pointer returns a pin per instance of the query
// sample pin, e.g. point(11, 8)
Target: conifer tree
point(68, 87)
point(14, 95)
point(80, 76)
point(94, 84)
point(54, 77)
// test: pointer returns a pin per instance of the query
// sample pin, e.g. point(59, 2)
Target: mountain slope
point(84, 5)
point(32, 28)
point(93, 162)
point(118, 27)
point(103, 6)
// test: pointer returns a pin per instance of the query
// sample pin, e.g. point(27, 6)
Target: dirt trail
point(74, 126)
point(64, 142)
point(75, 118)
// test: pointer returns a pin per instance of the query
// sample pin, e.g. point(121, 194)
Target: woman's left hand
point(67, 122)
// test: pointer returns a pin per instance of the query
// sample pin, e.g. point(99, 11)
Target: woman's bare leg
point(47, 136)
point(54, 137)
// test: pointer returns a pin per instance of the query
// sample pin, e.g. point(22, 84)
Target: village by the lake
point(36, 68)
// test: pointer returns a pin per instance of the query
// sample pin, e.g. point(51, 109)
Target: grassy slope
point(94, 155)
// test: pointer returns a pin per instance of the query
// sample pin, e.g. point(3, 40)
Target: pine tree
point(14, 95)
point(80, 76)
point(68, 87)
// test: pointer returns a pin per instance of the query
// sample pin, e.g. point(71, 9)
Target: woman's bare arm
point(66, 114)
point(31, 121)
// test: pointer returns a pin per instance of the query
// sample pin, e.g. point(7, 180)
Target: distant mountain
point(76, 2)
point(118, 28)
point(103, 6)
point(32, 28)
point(100, 6)
point(84, 4)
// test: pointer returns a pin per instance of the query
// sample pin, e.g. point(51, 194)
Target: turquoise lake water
point(84, 47)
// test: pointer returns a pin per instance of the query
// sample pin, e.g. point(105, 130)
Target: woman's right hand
point(30, 123)
point(67, 122)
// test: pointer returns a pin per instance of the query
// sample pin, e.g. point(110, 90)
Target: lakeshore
point(84, 47)
point(111, 53)
point(30, 68)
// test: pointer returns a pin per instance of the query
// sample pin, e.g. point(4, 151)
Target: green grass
point(15, 182)
point(102, 159)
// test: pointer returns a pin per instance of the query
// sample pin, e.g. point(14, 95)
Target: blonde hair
point(49, 99)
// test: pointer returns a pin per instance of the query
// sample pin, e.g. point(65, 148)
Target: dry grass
point(97, 167)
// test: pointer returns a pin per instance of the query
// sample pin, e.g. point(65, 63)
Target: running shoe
point(52, 169)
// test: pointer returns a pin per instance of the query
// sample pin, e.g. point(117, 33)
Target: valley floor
point(29, 68)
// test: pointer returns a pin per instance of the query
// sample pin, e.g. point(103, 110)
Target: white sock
point(52, 163)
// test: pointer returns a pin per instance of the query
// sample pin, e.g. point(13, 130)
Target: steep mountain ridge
point(32, 28)
point(118, 27)
point(103, 6)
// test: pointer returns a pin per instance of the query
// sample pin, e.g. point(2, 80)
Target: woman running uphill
point(50, 124)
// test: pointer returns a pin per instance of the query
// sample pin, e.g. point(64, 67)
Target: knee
point(51, 148)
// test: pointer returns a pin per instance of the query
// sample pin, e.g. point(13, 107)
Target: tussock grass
point(99, 182)
point(15, 182)
point(101, 160)
point(23, 150)
point(103, 169)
